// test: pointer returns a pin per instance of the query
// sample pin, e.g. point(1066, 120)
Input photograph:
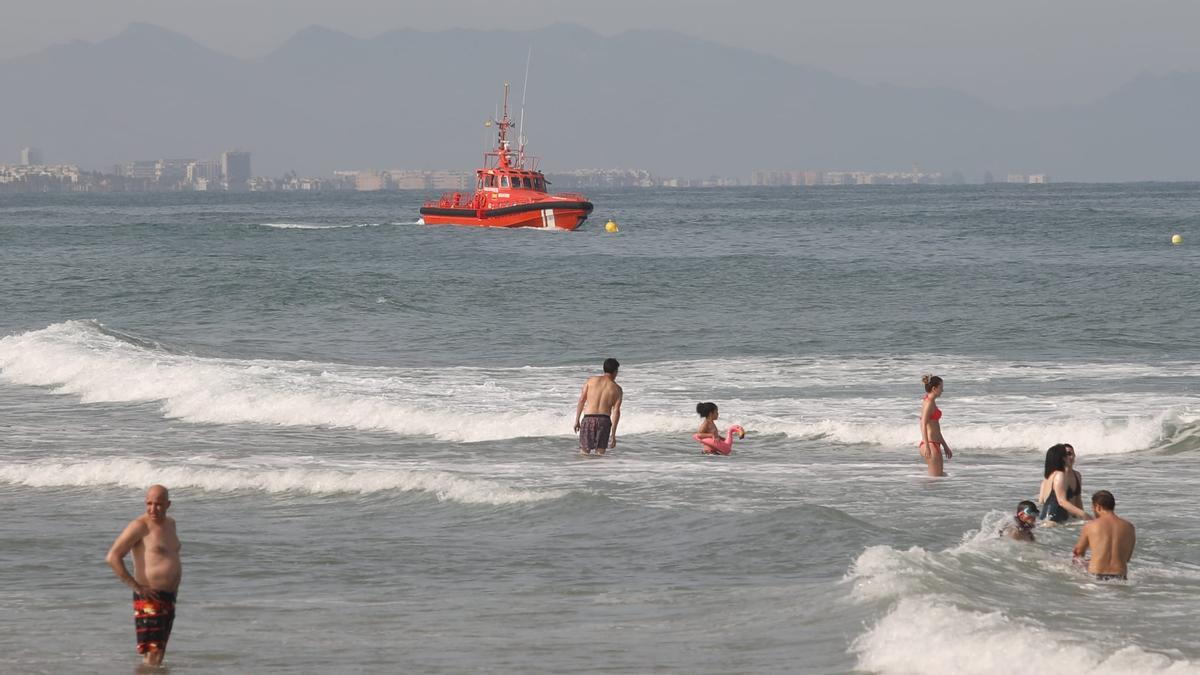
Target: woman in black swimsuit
point(1061, 486)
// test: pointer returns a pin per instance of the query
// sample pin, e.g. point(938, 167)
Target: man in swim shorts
point(1110, 538)
point(600, 405)
point(1021, 527)
point(157, 571)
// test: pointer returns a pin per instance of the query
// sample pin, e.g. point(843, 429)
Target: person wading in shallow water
point(1111, 540)
point(600, 405)
point(933, 445)
point(157, 571)
point(1061, 485)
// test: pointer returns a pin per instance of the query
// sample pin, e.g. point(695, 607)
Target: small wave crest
point(1099, 436)
point(923, 635)
point(317, 226)
point(140, 473)
point(463, 405)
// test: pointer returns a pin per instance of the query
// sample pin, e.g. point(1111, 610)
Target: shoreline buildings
point(232, 172)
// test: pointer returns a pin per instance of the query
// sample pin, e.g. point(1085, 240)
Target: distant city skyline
point(1021, 54)
point(232, 173)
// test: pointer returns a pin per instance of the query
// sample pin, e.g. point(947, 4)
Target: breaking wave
point(768, 396)
point(139, 473)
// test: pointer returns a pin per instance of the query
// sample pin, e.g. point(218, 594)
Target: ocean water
point(366, 426)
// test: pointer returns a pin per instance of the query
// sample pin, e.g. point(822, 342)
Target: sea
point(365, 424)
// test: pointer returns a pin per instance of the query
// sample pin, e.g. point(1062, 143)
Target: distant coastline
point(202, 176)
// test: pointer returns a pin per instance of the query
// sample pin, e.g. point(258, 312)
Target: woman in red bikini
point(932, 444)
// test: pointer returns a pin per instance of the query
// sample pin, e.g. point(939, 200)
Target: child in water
point(708, 434)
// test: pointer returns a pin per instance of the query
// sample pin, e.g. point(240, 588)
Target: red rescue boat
point(510, 191)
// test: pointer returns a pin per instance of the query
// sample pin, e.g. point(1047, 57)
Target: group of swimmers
point(152, 541)
point(1109, 538)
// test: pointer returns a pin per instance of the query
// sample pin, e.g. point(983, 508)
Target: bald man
point(157, 571)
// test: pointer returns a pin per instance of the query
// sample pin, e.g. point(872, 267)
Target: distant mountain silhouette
point(674, 104)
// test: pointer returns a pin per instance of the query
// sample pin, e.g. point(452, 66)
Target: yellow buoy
point(611, 226)
point(1176, 239)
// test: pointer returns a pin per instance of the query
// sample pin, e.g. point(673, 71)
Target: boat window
point(491, 181)
point(503, 181)
point(538, 184)
point(528, 183)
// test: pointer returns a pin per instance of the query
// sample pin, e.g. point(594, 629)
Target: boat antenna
point(521, 128)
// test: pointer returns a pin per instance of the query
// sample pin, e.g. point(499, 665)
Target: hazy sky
point(1015, 53)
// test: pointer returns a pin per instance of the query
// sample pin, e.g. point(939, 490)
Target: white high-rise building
point(32, 157)
point(206, 170)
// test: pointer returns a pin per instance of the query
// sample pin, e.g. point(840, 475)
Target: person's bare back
point(1110, 538)
point(601, 393)
point(600, 407)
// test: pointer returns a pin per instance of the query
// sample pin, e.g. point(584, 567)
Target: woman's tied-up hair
point(931, 382)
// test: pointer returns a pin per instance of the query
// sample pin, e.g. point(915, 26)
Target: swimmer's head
point(931, 382)
point(1104, 499)
point(1027, 512)
point(1056, 459)
point(158, 500)
point(611, 366)
point(708, 409)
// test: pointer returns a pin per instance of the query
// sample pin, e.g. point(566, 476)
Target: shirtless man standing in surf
point(600, 405)
point(1110, 538)
point(157, 571)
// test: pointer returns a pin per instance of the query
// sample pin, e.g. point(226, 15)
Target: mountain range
point(663, 101)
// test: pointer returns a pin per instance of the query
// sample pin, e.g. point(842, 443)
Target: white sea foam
point(317, 226)
point(139, 473)
point(1091, 436)
point(766, 395)
point(929, 627)
point(882, 572)
point(924, 635)
point(469, 405)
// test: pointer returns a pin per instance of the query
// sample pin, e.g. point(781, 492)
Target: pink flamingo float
point(719, 445)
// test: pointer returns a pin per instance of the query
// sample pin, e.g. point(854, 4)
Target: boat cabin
point(511, 179)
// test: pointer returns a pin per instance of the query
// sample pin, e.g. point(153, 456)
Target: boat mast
point(502, 150)
point(521, 129)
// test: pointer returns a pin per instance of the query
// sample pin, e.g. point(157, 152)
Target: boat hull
point(563, 215)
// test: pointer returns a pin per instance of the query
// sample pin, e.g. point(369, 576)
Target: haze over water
point(366, 427)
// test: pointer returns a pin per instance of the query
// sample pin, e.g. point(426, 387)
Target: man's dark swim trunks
point(594, 431)
point(1110, 577)
point(153, 620)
